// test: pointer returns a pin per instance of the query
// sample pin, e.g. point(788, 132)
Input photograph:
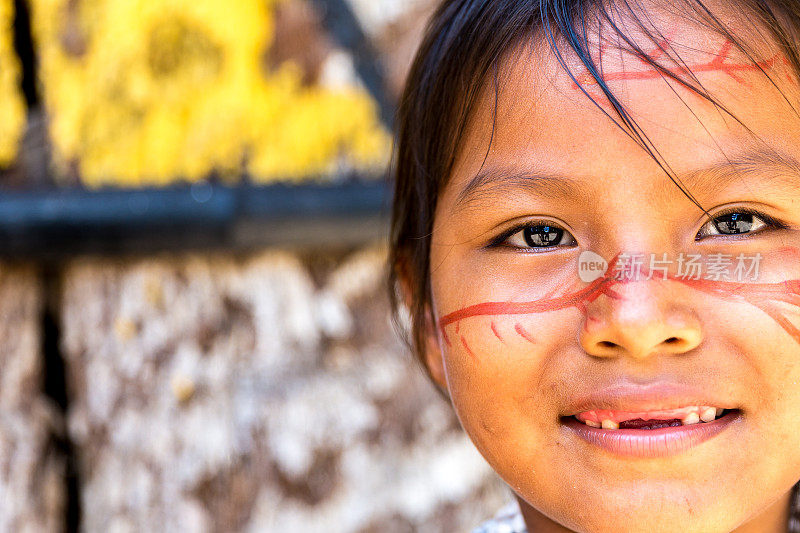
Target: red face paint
point(764, 296)
point(721, 62)
point(496, 332)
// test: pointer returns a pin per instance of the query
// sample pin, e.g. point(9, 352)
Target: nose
point(641, 319)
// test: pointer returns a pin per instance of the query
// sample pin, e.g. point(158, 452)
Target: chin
point(653, 518)
point(649, 506)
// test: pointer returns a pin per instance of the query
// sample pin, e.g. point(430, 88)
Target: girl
point(596, 229)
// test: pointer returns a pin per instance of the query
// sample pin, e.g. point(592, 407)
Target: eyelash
point(767, 221)
point(501, 240)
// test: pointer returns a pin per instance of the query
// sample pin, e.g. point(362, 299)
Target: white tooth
point(591, 423)
point(708, 414)
point(610, 424)
point(691, 418)
point(719, 411)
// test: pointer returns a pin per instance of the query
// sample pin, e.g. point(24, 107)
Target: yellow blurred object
point(147, 92)
point(125, 329)
point(12, 105)
point(183, 388)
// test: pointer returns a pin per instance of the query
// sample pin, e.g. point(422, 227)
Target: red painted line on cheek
point(791, 251)
point(792, 299)
point(524, 334)
point(760, 295)
point(739, 289)
point(496, 333)
point(468, 349)
point(575, 299)
point(782, 321)
point(611, 293)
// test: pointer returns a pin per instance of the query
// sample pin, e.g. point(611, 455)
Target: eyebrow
point(501, 180)
point(751, 162)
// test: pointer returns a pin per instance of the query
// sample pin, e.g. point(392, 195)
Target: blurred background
point(195, 330)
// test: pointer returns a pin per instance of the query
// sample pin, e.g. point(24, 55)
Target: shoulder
point(507, 520)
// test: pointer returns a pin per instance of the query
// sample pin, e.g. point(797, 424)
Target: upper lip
point(633, 397)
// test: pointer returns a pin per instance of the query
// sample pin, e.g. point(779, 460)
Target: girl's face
point(526, 342)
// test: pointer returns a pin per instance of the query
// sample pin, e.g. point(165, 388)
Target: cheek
point(764, 337)
point(498, 368)
point(509, 363)
point(764, 331)
point(502, 373)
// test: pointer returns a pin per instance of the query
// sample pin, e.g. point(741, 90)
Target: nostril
point(672, 340)
point(607, 344)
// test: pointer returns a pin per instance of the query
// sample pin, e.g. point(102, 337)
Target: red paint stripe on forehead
point(719, 63)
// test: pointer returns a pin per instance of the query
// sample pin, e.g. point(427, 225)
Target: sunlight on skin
point(520, 337)
point(719, 62)
point(761, 295)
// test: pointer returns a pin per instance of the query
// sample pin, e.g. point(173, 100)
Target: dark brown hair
point(463, 45)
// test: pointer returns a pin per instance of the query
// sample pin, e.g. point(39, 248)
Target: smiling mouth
point(643, 437)
point(684, 416)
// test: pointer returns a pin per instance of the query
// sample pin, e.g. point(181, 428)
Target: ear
point(432, 358)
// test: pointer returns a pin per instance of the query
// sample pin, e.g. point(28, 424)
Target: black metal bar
point(102, 209)
point(203, 215)
point(44, 222)
point(279, 201)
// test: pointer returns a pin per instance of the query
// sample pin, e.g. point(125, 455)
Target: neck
point(773, 519)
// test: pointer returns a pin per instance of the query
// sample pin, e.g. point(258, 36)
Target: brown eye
point(734, 223)
point(539, 237)
point(542, 235)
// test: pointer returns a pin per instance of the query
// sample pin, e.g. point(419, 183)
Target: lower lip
point(660, 442)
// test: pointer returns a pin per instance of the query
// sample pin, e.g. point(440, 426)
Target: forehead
point(537, 116)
